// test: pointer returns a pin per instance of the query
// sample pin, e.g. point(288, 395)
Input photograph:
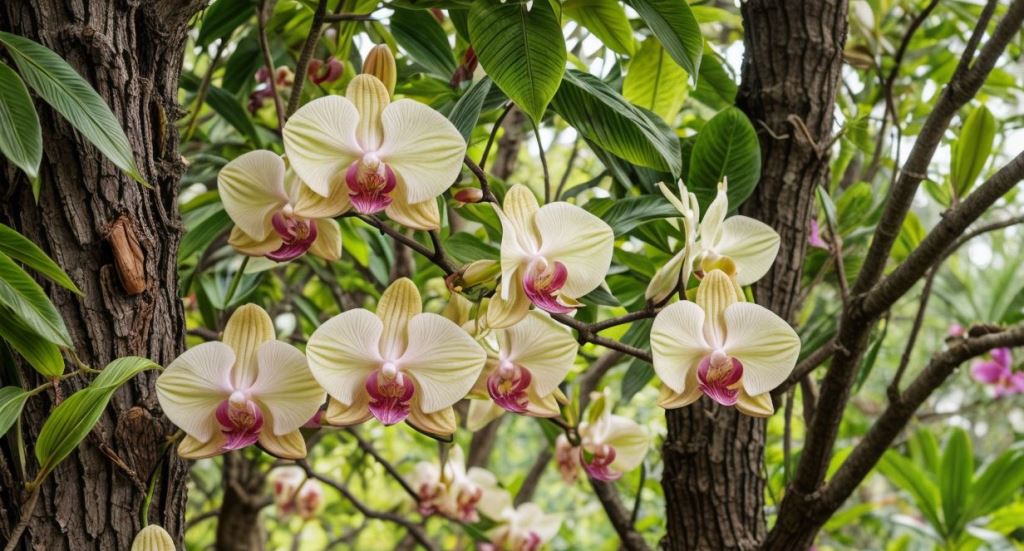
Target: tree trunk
point(713, 478)
point(131, 52)
point(238, 524)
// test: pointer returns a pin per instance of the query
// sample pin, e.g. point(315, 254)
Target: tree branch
point(265, 7)
point(620, 517)
point(307, 53)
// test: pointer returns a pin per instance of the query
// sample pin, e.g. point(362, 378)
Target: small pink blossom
point(998, 372)
point(956, 330)
point(814, 237)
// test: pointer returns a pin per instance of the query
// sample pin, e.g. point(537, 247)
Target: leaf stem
point(235, 280)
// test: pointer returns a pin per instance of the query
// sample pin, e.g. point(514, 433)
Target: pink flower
point(998, 372)
point(568, 458)
point(814, 237)
point(956, 330)
point(324, 71)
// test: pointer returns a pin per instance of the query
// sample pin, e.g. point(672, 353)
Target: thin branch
point(265, 7)
point(543, 164)
point(316, 26)
point(619, 516)
point(27, 509)
point(481, 177)
point(368, 448)
point(437, 257)
point(339, 17)
point(494, 134)
point(568, 168)
point(533, 476)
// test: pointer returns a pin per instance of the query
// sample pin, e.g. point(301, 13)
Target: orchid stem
point(235, 281)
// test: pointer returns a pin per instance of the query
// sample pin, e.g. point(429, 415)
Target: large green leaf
point(419, 33)
point(636, 378)
point(21, 140)
point(908, 477)
point(997, 484)
point(955, 474)
point(200, 236)
point(29, 303)
point(972, 149)
point(119, 371)
point(655, 82)
point(466, 112)
point(222, 18)
point(466, 247)
point(12, 400)
point(726, 147)
point(71, 96)
point(521, 49)
point(41, 354)
point(18, 247)
point(232, 111)
point(604, 117)
point(625, 214)
point(674, 24)
point(68, 425)
point(607, 20)
point(715, 87)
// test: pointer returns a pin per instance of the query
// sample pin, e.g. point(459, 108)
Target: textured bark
point(131, 52)
point(238, 524)
point(713, 478)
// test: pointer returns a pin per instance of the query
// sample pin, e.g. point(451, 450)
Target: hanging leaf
point(42, 355)
point(715, 87)
point(232, 111)
point(222, 18)
point(71, 96)
point(121, 370)
point(636, 378)
point(424, 39)
point(655, 82)
point(625, 214)
point(18, 247)
point(12, 400)
point(674, 24)
point(972, 149)
point(604, 117)
point(522, 50)
point(726, 147)
point(21, 140)
point(607, 20)
point(466, 112)
point(68, 425)
point(29, 303)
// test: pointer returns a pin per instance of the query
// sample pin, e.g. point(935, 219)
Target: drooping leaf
point(466, 247)
point(119, 371)
point(20, 248)
point(625, 214)
point(232, 111)
point(41, 354)
point(70, 95)
point(424, 39)
point(715, 87)
point(21, 139)
point(674, 24)
point(466, 112)
point(604, 117)
point(726, 147)
point(29, 304)
point(12, 400)
point(69, 424)
point(655, 82)
point(607, 20)
point(222, 18)
point(972, 149)
point(522, 50)
point(636, 378)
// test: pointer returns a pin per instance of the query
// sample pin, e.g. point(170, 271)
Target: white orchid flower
point(387, 156)
point(533, 358)
point(245, 390)
point(523, 528)
point(398, 364)
point(294, 492)
point(275, 214)
point(749, 244)
point(734, 352)
point(610, 445)
point(550, 256)
point(452, 491)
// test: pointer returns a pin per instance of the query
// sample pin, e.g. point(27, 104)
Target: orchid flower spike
point(275, 214)
point(376, 154)
point(523, 528)
point(550, 256)
point(732, 351)
point(248, 389)
point(610, 445)
point(533, 358)
point(451, 491)
point(749, 245)
point(400, 364)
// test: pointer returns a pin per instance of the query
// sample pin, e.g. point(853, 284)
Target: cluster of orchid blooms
point(368, 153)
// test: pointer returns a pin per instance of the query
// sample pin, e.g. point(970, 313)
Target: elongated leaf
point(466, 112)
point(636, 378)
point(726, 147)
point(232, 111)
point(673, 23)
point(905, 475)
point(21, 140)
point(625, 214)
point(71, 96)
point(42, 355)
point(466, 247)
point(200, 237)
point(955, 474)
point(655, 82)
point(422, 37)
point(972, 149)
point(521, 50)
point(119, 371)
point(68, 425)
point(29, 303)
point(222, 18)
point(996, 485)
point(607, 20)
point(20, 248)
point(604, 117)
point(12, 400)
point(715, 87)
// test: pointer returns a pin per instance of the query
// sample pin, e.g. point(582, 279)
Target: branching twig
point(481, 177)
point(265, 7)
point(494, 133)
point(307, 53)
point(368, 448)
point(619, 516)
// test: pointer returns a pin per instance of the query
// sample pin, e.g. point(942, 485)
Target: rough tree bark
point(713, 478)
point(131, 51)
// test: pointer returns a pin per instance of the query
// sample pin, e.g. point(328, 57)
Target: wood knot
point(129, 259)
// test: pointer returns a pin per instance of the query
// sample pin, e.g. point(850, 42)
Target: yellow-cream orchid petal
point(311, 205)
point(423, 148)
point(678, 345)
point(716, 293)
point(711, 224)
point(630, 441)
point(245, 244)
point(328, 240)
point(193, 385)
point(755, 406)
point(503, 312)
point(764, 343)
point(320, 140)
point(290, 445)
point(252, 189)
point(482, 412)
point(419, 216)
point(752, 245)
point(247, 328)
point(582, 242)
point(285, 386)
point(152, 538)
point(343, 351)
point(442, 423)
point(397, 307)
point(193, 448)
point(667, 279)
point(670, 399)
point(541, 345)
point(340, 415)
point(517, 214)
point(444, 360)
point(370, 97)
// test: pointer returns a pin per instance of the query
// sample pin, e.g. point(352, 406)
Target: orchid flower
point(275, 214)
point(248, 389)
point(568, 459)
point(152, 538)
point(550, 256)
point(294, 492)
point(749, 244)
point(732, 351)
point(452, 491)
point(523, 528)
point(998, 372)
point(533, 358)
point(610, 445)
point(398, 364)
point(377, 155)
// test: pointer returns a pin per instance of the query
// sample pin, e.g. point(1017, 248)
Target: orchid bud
point(568, 458)
point(320, 72)
point(310, 499)
point(469, 195)
point(380, 62)
point(475, 280)
point(152, 538)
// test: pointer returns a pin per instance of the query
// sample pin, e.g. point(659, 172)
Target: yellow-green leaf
point(972, 149)
point(655, 82)
point(607, 20)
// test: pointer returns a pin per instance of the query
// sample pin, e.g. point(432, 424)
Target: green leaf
point(625, 214)
point(121, 370)
point(997, 484)
point(715, 87)
point(607, 20)
point(419, 33)
point(955, 474)
point(972, 149)
point(521, 50)
point(466, 112)
point(222, 18)
point(41, 354)
point(200, 236)
point(465, 247)
point(71, 96)
point(68, 425)
point(726, 147)
point(29, 303)
point(908, 477)
point(20, 248)
point(21, 140)
point(636, 378)
point(674, 24)
point(12, 400)
point(604, 117)
point(232, 111)
point(655, 82)
point(600, 297)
